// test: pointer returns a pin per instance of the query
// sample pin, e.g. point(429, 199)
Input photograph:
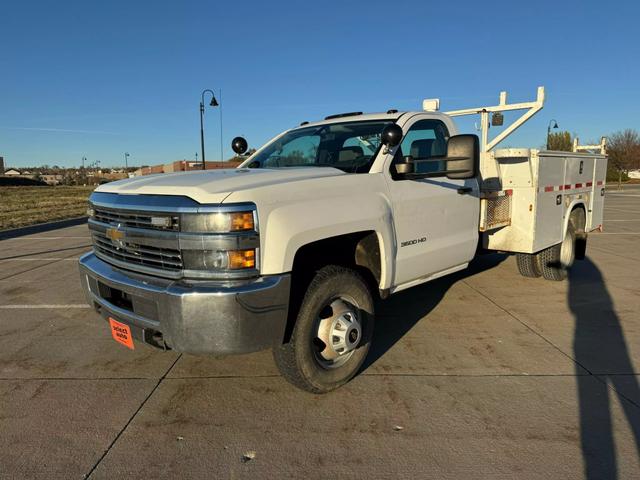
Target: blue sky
point(96, 79)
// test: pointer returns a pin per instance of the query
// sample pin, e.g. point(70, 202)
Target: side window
point(299, 151)
point(358, 148)
point(425, 139)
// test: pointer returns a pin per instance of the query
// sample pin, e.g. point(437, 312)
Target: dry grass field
point(21, 206)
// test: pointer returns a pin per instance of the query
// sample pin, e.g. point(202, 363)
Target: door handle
point(464, 190)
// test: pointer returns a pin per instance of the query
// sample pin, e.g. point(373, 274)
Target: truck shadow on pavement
point(602, 362)
point(600, 348)
point(415, 303)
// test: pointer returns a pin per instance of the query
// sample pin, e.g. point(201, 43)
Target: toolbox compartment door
point(596, 204)
point(548, 226)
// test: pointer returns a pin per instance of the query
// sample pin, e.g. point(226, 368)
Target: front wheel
point(332, 333)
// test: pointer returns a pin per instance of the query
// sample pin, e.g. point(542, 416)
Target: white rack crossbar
point(531, 107)
point(602, 146)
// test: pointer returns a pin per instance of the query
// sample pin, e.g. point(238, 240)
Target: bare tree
point(624, 152)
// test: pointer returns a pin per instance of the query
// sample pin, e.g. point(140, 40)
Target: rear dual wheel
point(332, 333)
point(528, 265)
point(553, 263)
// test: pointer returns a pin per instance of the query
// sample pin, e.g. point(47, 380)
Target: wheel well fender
point(291, 229)
point(574, 205)
point(361, 251)
point(581, 237)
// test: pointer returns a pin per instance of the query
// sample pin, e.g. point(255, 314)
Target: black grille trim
point(134, 219)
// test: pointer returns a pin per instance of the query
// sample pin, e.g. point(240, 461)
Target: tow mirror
point(239, 145)
point(463, 156)
point(391, 135)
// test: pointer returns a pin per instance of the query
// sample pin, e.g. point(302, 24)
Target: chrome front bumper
point(204, 317)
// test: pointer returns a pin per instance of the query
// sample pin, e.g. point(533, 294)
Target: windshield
point(349, 146)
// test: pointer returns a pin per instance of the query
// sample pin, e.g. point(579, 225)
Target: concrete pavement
point(481, 375)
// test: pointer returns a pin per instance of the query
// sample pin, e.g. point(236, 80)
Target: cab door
point(436, 219)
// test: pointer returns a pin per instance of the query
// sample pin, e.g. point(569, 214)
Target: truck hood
point(213, 186)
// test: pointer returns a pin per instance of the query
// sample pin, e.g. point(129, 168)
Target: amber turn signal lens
point(241, 221)
point(239, 259)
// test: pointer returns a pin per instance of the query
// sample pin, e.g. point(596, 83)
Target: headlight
point(219, 259)
point(231, 242)
point(219, 222)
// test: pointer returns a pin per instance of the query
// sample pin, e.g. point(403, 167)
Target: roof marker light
point(431, 104)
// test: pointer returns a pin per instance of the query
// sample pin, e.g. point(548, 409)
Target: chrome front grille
point(146, 234)
point(165, 259)
point(136, 219)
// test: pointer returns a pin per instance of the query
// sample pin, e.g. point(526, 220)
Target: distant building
point(12, 172)
point(634, 173)
point(51, 179)
point(114, 175)
point(1, 165)
point(184, 166)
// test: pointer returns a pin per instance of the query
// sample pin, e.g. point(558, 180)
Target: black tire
point(300, 360)
point(528, 265)
point(554, 261)
point(578, 220)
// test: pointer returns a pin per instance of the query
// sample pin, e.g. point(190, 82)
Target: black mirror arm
point(438, 158)
point(420, 176)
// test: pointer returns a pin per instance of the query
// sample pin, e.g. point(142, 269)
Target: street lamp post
point(126, 156)
point(549, 127)
point(213, 103)
point(221, 144)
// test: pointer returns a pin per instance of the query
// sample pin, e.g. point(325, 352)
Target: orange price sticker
point(121, 333)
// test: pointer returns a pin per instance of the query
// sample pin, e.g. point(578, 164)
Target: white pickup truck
point(289, 250)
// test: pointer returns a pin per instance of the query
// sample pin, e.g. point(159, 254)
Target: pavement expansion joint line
point(13, 257)
point(70, 257)
point(126, 425)
point(604, 250)
point(72, 379)
point(596, 376)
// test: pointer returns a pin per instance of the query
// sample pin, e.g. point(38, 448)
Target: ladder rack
point(532, 108)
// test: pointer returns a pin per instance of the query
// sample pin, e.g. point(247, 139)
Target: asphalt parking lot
point(481, 375)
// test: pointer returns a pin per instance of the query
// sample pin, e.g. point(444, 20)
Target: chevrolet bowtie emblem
point(116, 236)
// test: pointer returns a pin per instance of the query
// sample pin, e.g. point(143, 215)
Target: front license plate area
point(121, 333)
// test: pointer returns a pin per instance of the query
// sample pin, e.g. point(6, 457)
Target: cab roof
point(363, 117)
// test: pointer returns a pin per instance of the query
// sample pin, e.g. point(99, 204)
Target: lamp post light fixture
point(549, 127)
point(126, 156)
point(213, 103)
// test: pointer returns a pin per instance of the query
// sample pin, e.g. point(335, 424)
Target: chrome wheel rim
point(567, 251)
point(338, 332)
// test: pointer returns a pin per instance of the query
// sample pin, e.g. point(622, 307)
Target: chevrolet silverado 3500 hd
point(288, 250)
